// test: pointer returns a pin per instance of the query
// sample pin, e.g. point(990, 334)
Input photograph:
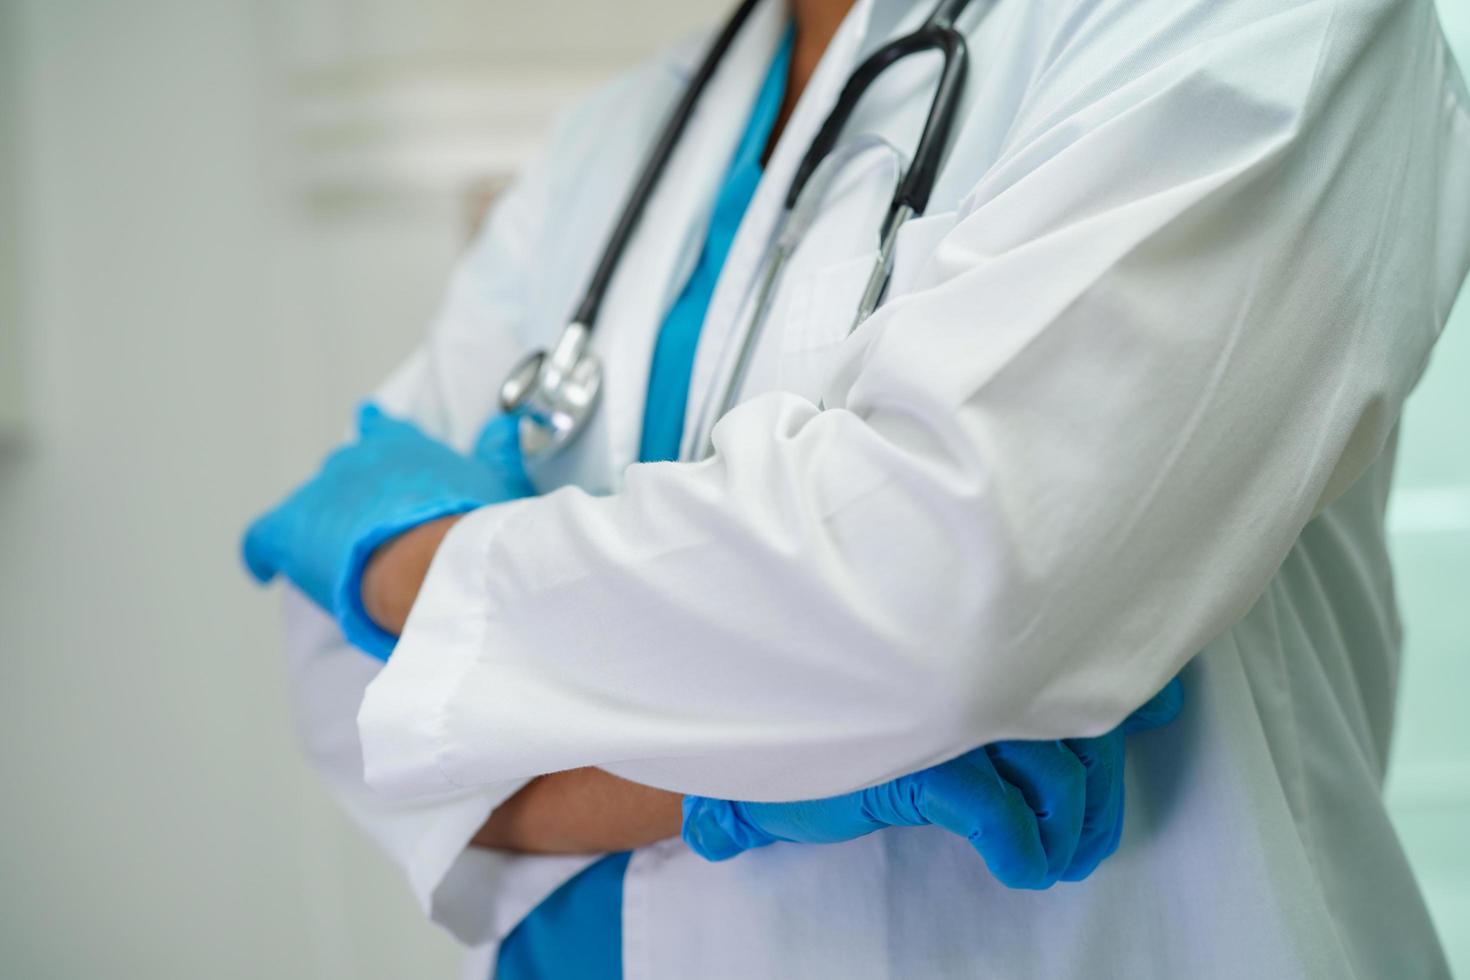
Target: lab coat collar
point(859, 33)
point(662, 254)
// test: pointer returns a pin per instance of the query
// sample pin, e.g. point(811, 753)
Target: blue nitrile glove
point(499, 447)
point(392, 479)
point(1038, 812)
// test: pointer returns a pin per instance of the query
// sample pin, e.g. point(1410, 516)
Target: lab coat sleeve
point(477, 894)
point(1177, 316)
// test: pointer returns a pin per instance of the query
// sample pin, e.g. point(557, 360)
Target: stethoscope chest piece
point(554, 392)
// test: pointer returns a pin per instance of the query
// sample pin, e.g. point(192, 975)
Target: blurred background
point(221, 222)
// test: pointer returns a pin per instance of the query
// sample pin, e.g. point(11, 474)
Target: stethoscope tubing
point(791, 227)
point(918, 182)
point(910, 198)
point(653, 168)
point(534, 388)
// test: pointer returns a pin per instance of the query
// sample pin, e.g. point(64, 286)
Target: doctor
point(1132, 395)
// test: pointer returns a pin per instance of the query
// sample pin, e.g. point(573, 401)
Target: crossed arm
point(580, 811)
point(1037, 811)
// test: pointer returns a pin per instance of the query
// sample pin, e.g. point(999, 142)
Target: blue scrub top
point(673, 357)
point(577, 932)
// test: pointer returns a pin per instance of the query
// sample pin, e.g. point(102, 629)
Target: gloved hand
point(1038, 812)
point(391, 479)
point(499, 448)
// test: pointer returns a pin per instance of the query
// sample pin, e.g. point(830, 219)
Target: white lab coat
point(1132, 398)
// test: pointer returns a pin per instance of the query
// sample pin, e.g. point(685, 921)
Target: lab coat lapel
point(662, 253)
point(861, 31)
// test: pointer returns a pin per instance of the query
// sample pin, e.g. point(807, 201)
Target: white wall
point(198, 323)
point(156, 823)
point(231, 218)
point(10, 197)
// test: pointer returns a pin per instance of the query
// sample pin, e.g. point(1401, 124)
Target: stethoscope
point(555, 392)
